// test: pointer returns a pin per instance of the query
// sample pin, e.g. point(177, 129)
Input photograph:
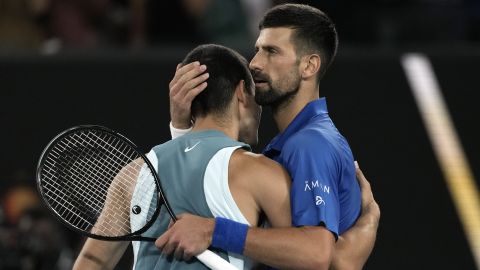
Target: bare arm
point(285, 248)
point(250, 175)
point(269, 183)
point(97, 254)
point(291, 248)
point(356, 244)
point(260, 185)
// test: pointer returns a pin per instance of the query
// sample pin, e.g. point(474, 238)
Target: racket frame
point(161, 198)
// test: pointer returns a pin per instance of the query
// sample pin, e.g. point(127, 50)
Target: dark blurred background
point(109, 62)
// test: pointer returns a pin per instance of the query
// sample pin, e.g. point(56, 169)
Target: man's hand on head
point(188, 82)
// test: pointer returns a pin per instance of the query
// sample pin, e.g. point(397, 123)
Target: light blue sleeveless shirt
point(181, 167)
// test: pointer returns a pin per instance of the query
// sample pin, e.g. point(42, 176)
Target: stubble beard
point(275, 98)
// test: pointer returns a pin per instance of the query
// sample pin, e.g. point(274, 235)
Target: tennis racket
point(92, 178)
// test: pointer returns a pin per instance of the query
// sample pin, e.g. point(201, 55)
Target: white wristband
point(175, 132)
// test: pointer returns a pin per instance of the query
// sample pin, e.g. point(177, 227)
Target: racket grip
point(214, 262)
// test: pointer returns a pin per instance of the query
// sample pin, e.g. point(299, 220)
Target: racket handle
point(214, 262)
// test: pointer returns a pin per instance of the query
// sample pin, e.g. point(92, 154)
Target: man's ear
point(240, 92)
point(311, 65)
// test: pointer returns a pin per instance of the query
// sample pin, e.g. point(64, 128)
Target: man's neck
point(284, 114)
point(214, 123)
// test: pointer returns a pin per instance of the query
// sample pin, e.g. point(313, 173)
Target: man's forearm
point(291, 248)
point(87, 260)
point(97, 254)
point(354, 247)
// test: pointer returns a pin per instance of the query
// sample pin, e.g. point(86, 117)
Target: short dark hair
point(314, 31)
point(226, 68)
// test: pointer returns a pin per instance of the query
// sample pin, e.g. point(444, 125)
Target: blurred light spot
point(446, 145)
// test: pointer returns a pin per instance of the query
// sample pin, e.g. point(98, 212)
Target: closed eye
point(271, 50)
point(268, 49)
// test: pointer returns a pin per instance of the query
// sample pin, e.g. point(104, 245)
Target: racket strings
point(89, 180)
point(64, 198)
point(81, 169)
point(64, 208)
point(110, 222)
point(68, 192)
point(100, 167)
point(77, 169)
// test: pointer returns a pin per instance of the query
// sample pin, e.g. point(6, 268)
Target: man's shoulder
point(247, 159)
point(311, 139)
point(256, 174)
point(244, 162)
